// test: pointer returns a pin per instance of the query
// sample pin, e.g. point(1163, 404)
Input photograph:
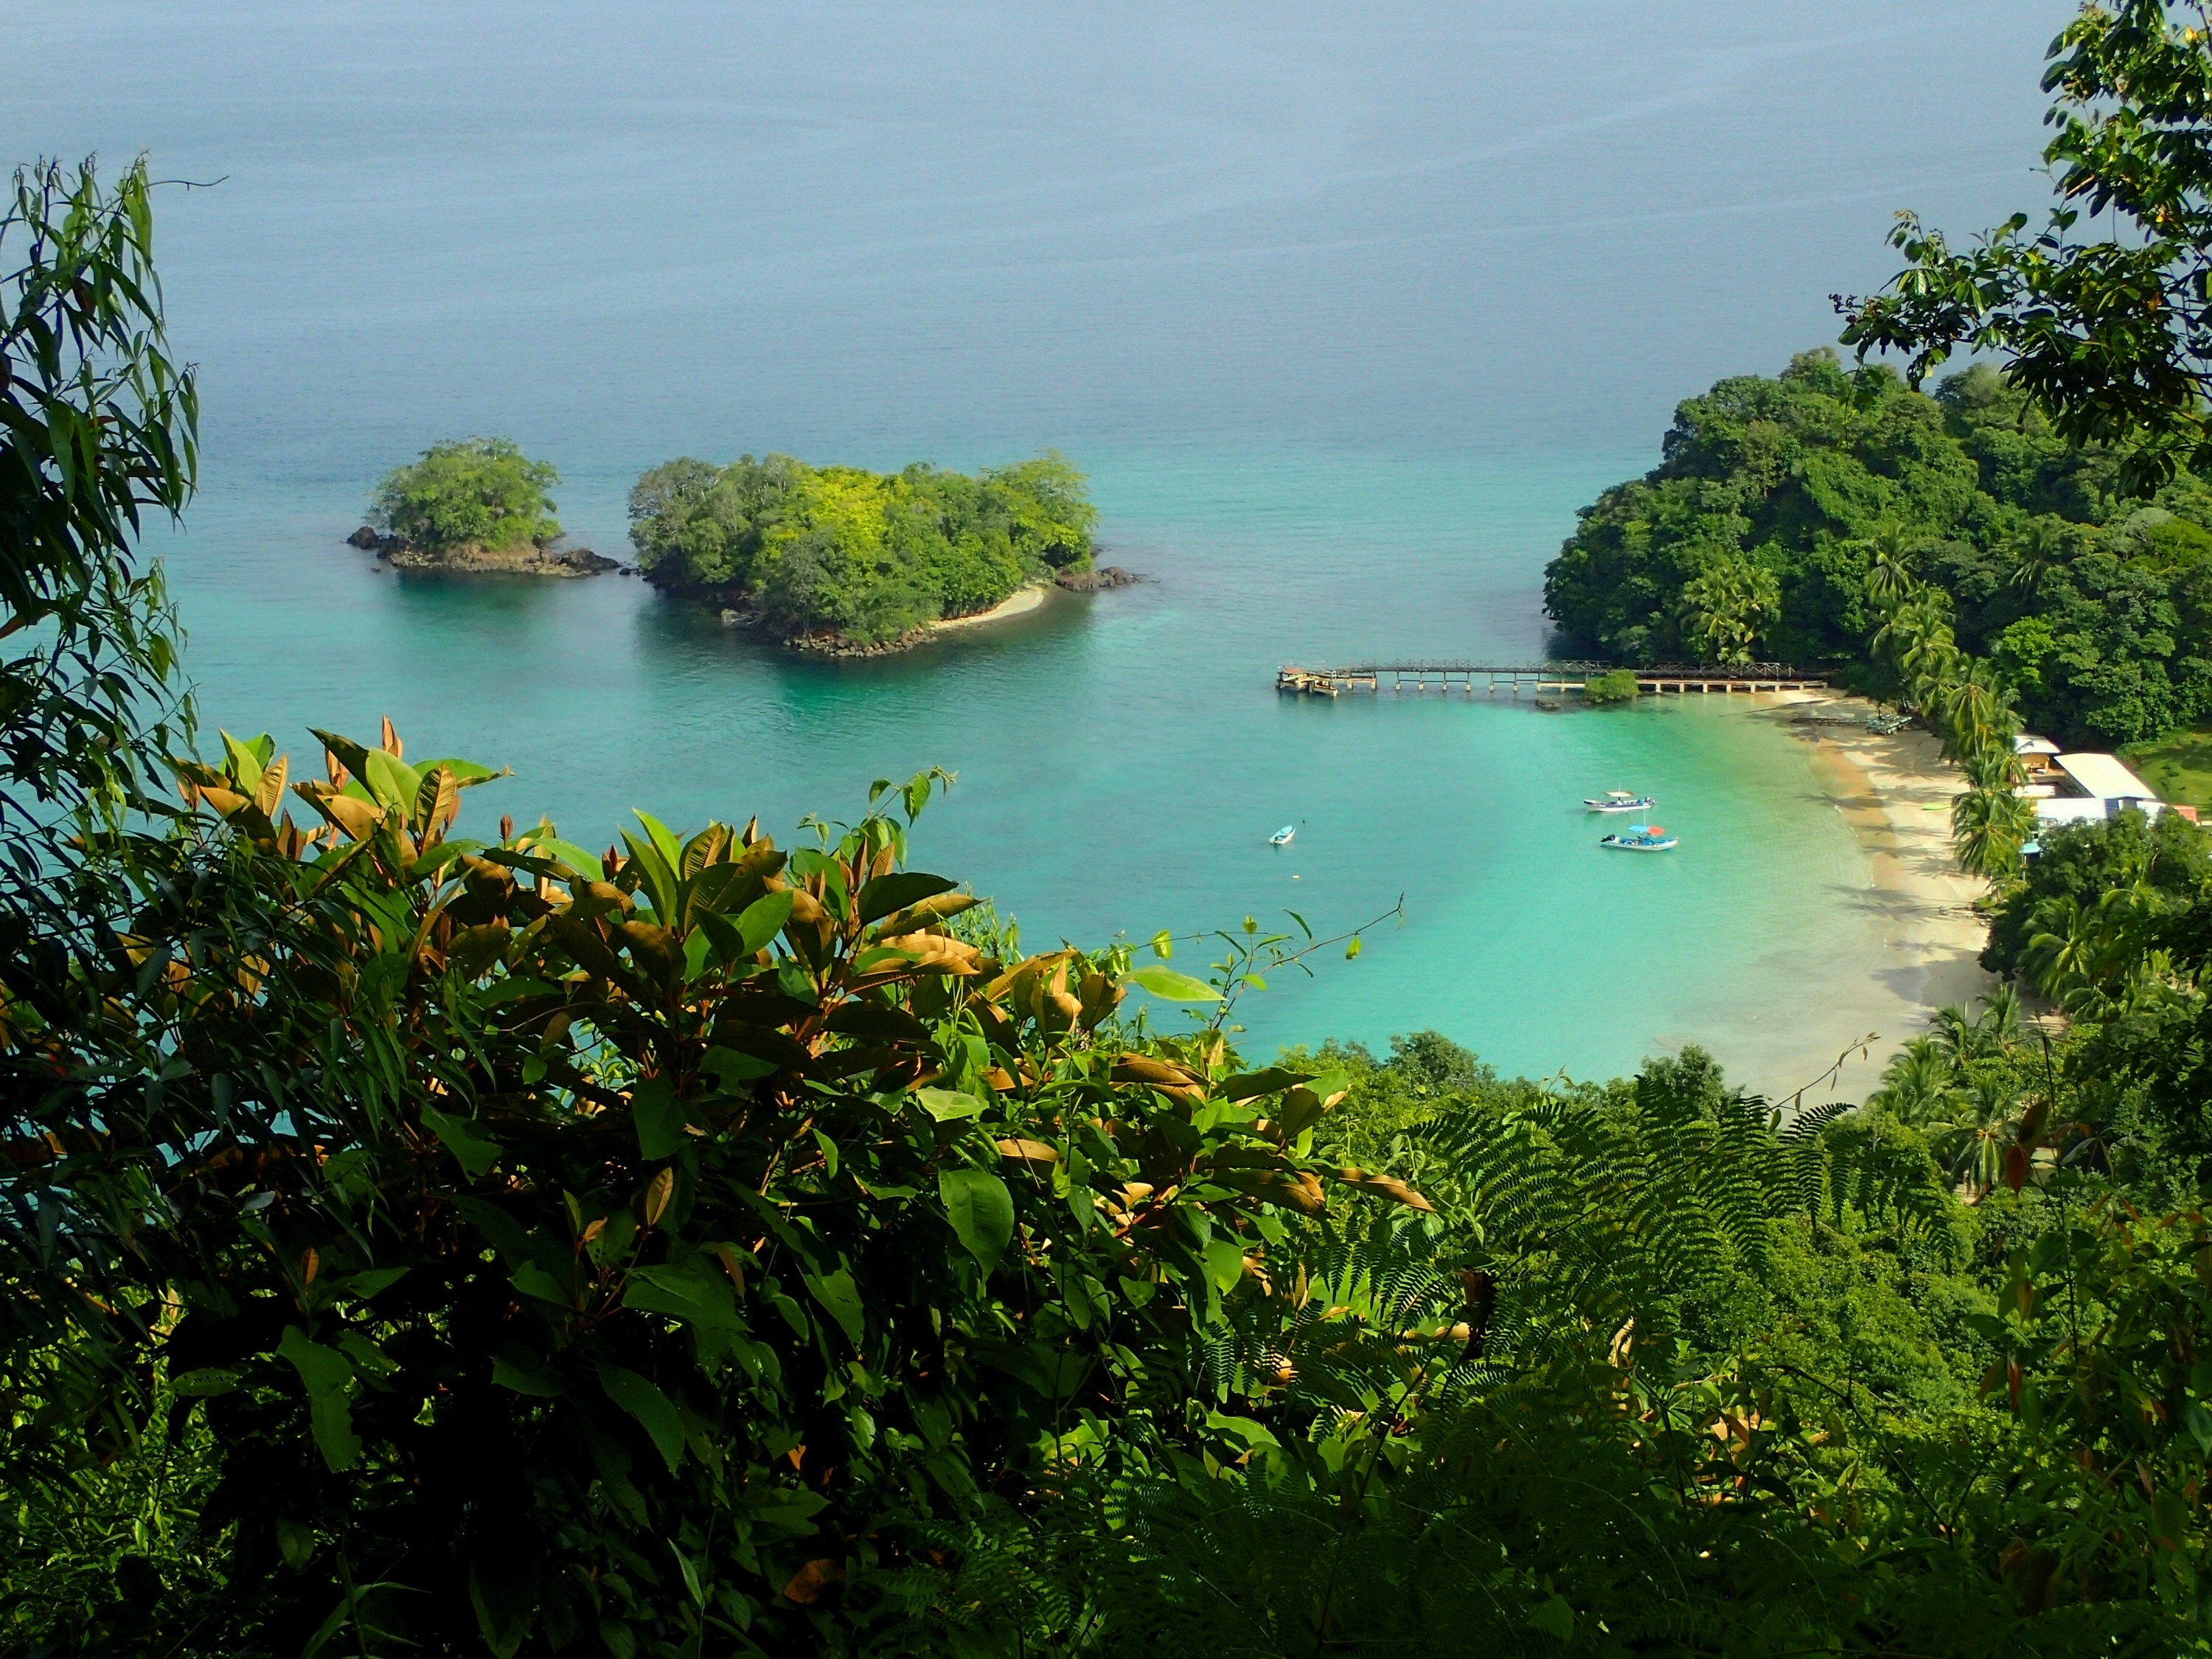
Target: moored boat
point(1619, 800)
point(1282, 837)
point(1641, 838)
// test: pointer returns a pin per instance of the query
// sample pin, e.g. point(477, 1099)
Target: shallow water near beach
point(1344, 313)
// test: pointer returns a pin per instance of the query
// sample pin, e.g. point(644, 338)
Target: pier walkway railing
point(1469, 678)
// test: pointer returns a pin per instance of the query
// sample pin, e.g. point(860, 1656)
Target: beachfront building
point(2075, 788)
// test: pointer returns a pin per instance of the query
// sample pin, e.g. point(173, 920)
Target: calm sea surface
point(1345, 310)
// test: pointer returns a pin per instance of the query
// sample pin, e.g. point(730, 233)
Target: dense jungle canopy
point(865, 558)
point(1775, 499)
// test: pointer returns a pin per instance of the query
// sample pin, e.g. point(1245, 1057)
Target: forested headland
point(1775, 501)
point(845, 557)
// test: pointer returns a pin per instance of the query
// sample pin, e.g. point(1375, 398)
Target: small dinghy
point(1619, 800)
point(1282, 837)
point(1641, 838)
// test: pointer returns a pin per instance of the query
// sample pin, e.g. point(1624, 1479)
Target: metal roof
point(2101, 777)
point(2026, 742)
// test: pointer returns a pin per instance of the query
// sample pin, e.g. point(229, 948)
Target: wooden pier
point(1539, 678)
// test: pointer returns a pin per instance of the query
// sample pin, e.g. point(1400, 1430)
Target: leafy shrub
point(469, 493)
point(1617, 685)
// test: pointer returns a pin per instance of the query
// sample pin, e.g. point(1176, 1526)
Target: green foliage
point(1788, 517)
point(2164, 860)
point(1616, 686)
point(469, 493)
point(656, 1244)
point(2108, 335)
point(864, 556)
point(414, 1243)
point(96, 422)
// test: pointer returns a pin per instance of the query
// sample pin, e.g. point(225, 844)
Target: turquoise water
point(1345, 313)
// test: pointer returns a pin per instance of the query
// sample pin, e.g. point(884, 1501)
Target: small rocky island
point(473, 504)
point(841, 561)
point(527, 560)
point(832, 560)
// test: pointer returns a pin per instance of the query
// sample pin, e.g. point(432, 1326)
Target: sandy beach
point(1021, 602)
point(1895, 792)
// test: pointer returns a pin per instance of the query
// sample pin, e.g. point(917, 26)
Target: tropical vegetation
point(1786, 513)
point(1615, 685)
point(837, 554)
point(468, 494)
point(420, 1239)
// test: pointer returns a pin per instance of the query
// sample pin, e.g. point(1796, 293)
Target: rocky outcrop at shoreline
point(1094, 581)
point(528, 560)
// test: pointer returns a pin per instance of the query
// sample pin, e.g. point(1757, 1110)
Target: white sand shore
point(1021, 601)
point(1895, 792)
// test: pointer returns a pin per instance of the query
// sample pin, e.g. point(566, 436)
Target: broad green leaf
point(658, 1116)
point(586, 865)
point(1254, 1434)
point(477, 1152)
point(368, 1360)
point(1171, 987)
point(515, 1367)
point(652, 1409)
point(244, 763)
point(763, 919)
point(531, 1279)
point(781, 1509)
point(656, 874)
point(947, 1106)
point(327, 1376)
point(1249, 1085)
point(1224, 1263)
point(665, 841)
point(366, 1284)
point(837, 1293)
point(887, 894)
point(1554, 1618)
point(505, 1606)
point(981, 1212)
point(705, 1303)
point(392, 782)
point(463, 771)
point(729, 1068)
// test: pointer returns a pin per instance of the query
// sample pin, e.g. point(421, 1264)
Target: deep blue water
point(1345, 310)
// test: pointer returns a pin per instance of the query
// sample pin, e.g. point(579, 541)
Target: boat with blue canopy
point(1641, 838)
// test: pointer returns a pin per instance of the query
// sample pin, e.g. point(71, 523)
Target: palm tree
point(1917, 1080)
point(1994, 766)
point(2042, 547)
point(1988, 828)
point(1729, 605)
point(1984, 1128)
point(2065, 950)
point(1889, 575)
point(1977, 709)
point(2003, 1018)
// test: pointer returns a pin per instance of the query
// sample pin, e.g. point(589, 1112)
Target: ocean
point(1345, 311)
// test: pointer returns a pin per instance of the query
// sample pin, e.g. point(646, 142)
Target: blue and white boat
point(1282, 837)
point(1619, 800)
point(1641, 838)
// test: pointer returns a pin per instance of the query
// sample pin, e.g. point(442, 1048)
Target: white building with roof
point(2095, 786)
